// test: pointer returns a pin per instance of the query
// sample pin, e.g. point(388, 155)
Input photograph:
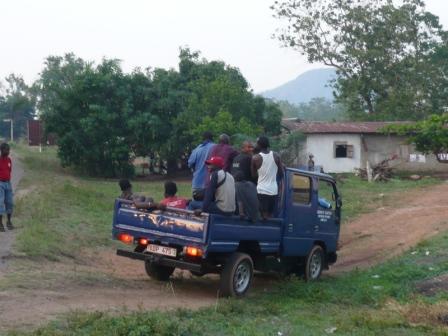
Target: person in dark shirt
point(242, 162)
point(6, 196)
point(225, 151)
point(127, 193)
point(247, 198)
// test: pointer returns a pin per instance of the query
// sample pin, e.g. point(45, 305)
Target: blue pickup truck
point(301, 239)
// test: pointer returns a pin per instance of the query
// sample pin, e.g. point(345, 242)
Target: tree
point(382, 51)
point(87, 107)
point(104, 117)
point(317, 109)
point(428, 136)
point(17, 104)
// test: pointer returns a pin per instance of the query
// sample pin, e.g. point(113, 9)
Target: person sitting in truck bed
point(220, 193)
point(127, 193)
point(171, 200)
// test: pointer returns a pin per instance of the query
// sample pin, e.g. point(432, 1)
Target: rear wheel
point(237, 274)
point(158, 272)
point(315, 262)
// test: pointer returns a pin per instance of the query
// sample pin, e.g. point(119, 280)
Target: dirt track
point(368, 240)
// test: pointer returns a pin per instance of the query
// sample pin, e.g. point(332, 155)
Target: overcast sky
point(149, 33)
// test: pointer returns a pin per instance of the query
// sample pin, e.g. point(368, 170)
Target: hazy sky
point(149, 33)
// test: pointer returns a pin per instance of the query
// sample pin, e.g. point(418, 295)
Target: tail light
point(193, 251)
point(143, 241)
point(125, 238)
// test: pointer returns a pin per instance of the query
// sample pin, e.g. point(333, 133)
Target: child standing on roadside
point(6, 197)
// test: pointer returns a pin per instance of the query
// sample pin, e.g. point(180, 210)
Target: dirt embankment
point(123, 283)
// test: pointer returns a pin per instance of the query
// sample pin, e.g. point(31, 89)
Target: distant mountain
point(310, 84)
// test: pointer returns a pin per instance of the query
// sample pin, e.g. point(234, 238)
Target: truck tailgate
point(172, 223)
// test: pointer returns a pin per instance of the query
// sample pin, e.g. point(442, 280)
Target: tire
point(237, 275)
point(198, 274)
point(158, 272)
point(315, 263)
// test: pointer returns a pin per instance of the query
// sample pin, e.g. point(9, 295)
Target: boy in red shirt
point(6, 199)
point(171, 200)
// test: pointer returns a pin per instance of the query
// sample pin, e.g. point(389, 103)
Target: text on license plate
point(168, 251)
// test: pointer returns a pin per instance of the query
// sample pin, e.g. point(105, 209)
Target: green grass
point(63, 214)
point(373, 302)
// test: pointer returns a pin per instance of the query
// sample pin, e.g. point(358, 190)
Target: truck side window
point(326, 195)
point(301, 186)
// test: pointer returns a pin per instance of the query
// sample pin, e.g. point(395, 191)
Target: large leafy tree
point(383, 51)
point(104, 117)
point(87, 107)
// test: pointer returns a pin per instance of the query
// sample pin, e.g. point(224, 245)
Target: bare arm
point(279, 163)
point(257, 160)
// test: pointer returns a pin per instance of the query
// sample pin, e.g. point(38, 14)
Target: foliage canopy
point(104, 117)
point(388, 55)
point(429, 136)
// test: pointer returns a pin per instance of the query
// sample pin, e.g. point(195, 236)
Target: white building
point(340, 147)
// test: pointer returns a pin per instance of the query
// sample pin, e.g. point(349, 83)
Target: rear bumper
point(161, 260)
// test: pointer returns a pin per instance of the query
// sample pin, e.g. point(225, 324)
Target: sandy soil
point(124, 285)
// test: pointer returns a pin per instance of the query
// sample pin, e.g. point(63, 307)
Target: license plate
point(163, 250)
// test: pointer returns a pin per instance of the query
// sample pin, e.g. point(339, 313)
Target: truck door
point(328, 214)
point(300, 215)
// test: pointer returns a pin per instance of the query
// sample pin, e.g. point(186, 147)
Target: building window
point(343, 150)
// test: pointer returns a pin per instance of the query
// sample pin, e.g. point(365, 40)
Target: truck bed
point(213, 233)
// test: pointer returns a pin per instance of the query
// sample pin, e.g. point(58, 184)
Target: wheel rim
point(315, 265)
point(241, 278)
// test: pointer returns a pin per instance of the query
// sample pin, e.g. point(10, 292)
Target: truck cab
point(301, 238)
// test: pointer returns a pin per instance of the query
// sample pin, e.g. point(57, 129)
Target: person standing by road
point(6, 195)
point(225, 151)
point(196, 161)
point(267, 166)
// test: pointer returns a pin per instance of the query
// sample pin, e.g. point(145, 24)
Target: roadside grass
point(62, 213)
point(378, 301)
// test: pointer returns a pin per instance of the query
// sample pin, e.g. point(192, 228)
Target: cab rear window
point(301, 187)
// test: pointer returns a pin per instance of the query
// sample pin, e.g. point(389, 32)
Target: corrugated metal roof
point(308, 127)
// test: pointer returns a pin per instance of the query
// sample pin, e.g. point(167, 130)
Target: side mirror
point(339, 202)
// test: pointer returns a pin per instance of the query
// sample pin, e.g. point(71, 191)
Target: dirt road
point(124, 285)
point(7, 238)
point(389, 231)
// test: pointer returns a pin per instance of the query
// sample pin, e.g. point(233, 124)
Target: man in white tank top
point(266, 166)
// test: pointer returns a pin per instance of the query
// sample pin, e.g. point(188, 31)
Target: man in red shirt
point(6, 199)
point(171, 200)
